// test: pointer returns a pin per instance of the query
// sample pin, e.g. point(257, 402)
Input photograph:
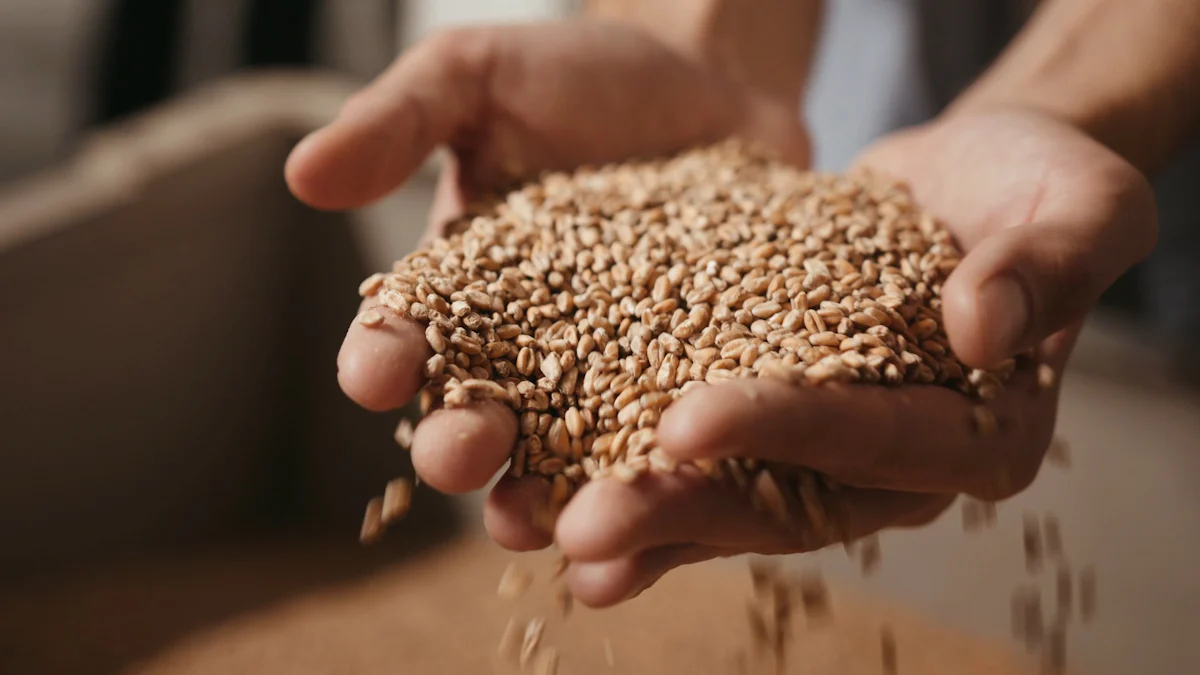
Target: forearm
point(1125, 71)
point(768, 44)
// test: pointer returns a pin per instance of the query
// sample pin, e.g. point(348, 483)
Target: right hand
point(532, 97)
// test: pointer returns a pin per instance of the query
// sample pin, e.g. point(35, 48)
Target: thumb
point(385, 132)
point(1025, 283)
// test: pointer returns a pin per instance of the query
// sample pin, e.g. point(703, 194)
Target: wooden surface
point(438, 614)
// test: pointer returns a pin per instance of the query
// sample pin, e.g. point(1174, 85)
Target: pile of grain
point(589, 301)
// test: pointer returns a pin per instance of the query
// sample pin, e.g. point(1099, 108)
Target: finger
point(510, 513)
point(382, 367)
point(610, 519)
point(860, 512)
point(461, 449)
point(385, 132)
point(607, 583)
point(914, 438)
point(1025, 283)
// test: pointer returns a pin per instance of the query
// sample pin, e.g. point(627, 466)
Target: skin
point(1041, 192)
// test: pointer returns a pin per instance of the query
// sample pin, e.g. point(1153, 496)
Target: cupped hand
point(508, 101)
point(1049, 218)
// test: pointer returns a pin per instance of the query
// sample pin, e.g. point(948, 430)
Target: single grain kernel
point(1087, 593)
point(985, 421)
point(370, 319)
point(404, 433)
point(1045, 376)
point(515, 581)
point(372, 525)
point(1032, 539)
point(870, 554)
point(531, 641)
point(887, 649)
point(511, 640)
point(397, 498)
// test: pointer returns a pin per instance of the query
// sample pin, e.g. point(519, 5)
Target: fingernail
point(1007, 312)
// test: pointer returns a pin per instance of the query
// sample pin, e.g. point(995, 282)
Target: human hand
point(504, 100)
point(508, 100)
point(1043, 211)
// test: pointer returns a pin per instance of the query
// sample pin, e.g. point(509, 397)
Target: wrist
point(1138, 101)
point(1134, 127)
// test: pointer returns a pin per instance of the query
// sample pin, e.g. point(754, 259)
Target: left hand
point(1049, 218)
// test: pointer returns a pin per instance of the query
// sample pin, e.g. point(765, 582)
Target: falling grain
point(531, 641)
point(1032, 539)
point(985, 421)
point(814, 594)
point(1087, 593)
point(564, 600)
point(1033, 619)
point(1064, 590)
point(515, 581)
point(511, 640)
point(870, 554)
point(372, 525)
point(397, 498)
point(887, 649)
point(547, 662)
point(404, 433)
point(1052, 531)
point(972, 515)
point(1059, 453)
point(1055, 654)
point(560, 565)
point(1045, 376)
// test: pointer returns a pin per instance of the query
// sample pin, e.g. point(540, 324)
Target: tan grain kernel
point(1059, 453)
point(1032, 539)
point(814, 594)
point(531, 641)
point(887, 649)
point(370, 318)
point(372, 525)
point(509, 649)
point(397, 498)
point(1087, 593)
point(1046, 376)
point(985, 421)
point(870, 554)
point(547, 662)
point(404, 433)
point(515, 581)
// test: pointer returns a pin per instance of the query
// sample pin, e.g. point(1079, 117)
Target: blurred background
point(175, 453)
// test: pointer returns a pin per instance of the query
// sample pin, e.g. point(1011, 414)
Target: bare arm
point(768, 44)
point(1126, 72)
